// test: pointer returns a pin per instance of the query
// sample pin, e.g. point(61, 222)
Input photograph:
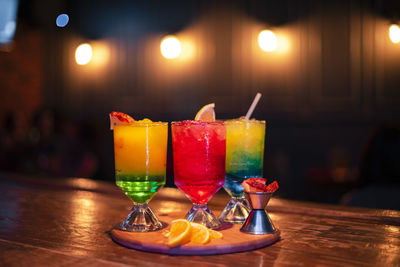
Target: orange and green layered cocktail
point(140, 159)
point(244, 159)
point(140, 150)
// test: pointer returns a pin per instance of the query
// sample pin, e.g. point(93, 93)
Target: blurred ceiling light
point(62, 20)
point(170, 47)
point(394, 33)
point(83, 54)
point(101, 53)
point(267, 40)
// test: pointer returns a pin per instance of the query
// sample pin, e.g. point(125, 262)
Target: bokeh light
point(10, 27)
point(394, 33)
point(170, 47)
point(267, 40)
point(83, 54)
point(101, 53)
point(8, 15)
point(62, 20)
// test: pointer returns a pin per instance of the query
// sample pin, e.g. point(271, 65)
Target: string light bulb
point(394, 33)
point(170, 47)
point(83, 54)
point(267, 40)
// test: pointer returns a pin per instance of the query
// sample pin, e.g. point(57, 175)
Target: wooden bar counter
point(53, 222)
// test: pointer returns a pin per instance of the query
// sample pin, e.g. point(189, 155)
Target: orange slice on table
point(119, 118)
point(206, 113)
point(215, 234)
point(180, 233)
point(200, 234)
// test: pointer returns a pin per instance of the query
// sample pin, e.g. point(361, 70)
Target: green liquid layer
point(243, 165)
point(140, 188)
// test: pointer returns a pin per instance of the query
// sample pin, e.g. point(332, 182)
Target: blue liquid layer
point(233, 182)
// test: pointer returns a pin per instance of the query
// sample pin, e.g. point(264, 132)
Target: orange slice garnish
point(180, 233)
point(206, 113)
point(215, 234)
point(200, 234)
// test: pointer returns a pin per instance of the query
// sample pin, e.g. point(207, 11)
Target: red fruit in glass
point(199, 164)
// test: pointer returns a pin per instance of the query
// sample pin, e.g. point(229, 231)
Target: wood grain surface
point(53, 222)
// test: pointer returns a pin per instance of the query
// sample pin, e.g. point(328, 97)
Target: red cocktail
point(199, 164)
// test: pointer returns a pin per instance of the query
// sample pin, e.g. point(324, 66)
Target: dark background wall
point(334, 82)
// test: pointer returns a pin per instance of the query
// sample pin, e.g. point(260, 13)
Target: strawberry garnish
point(272, 187)
point(119, 118)
point(259, 185)
point(259, 180)
point(255, 185)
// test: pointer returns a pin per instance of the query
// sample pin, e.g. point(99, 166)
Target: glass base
point(140, 219)
point(236, 211)
point(203, 215)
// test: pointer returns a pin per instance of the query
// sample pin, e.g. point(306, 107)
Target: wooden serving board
point(233, 241)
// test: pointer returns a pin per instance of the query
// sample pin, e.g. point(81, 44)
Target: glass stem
point(200, 213)
point(141, 219)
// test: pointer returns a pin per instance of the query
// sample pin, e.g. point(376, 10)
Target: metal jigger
point(258, 221)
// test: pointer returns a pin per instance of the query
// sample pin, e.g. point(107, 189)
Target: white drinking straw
point(253, 106)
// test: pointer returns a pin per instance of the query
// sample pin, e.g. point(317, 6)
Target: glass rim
point(138, 124)
point(198, 122)
point(245, 121)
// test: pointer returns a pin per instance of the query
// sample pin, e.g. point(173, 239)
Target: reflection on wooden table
point(66, 222)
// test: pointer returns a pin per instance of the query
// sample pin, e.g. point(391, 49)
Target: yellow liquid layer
point(244, 144)
point(141, 148)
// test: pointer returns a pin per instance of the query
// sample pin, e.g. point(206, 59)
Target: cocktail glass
point(199, 165)
point(244, 159)
point(140, 161)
